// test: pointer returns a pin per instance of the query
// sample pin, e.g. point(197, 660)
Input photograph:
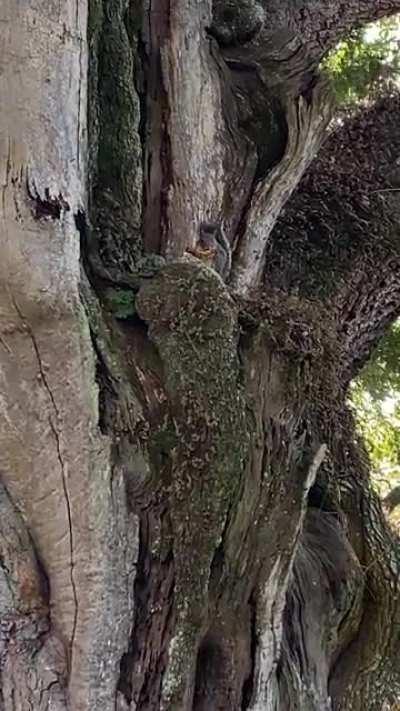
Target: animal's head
point(208, 234)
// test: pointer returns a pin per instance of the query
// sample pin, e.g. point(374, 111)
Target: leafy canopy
point(376, 399)
point(366, 62)
point(362, 67)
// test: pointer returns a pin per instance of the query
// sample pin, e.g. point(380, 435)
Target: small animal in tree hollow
point(213, 248)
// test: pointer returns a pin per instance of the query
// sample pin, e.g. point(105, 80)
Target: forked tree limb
point(307, 121)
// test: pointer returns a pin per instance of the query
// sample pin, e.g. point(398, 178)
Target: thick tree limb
point(392, 499)
point(54, 462)
point(269, 31)
point(327, 584)
point(307, 121)
point(192, 322)
point(342, 228)
point(192, 143)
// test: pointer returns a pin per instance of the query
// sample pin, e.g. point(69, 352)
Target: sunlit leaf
point(365, 62)
point(376, 399)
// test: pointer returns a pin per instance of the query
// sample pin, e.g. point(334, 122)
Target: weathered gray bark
point(55, 464)
point(185, 519)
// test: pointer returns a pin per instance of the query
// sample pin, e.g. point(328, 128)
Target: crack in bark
point(7, 174)
point(78, 128)
point(26, 326)
point(248, 686)
point(157, 159)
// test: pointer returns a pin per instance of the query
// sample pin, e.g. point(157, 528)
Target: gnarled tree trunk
point(186, 520)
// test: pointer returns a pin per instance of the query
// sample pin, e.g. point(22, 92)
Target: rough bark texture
point(55, 463)
point(186, 520)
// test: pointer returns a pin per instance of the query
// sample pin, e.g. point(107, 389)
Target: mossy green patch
point(115, 160)
point(193, 322)
point(121, 302)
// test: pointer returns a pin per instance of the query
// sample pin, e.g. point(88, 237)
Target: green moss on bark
point(116, 151)
point(193, 322)
point(121, 302)
point(237, 21)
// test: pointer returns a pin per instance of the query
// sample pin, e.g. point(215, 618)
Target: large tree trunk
point(186, 520)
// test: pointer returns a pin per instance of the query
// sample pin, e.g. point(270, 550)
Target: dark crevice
point(50, 206)
point(124, 685)
point(210, 668)
point(271, 152)
point(82, 227)
point(320, 498)
point(107, 397)
point(133, 21)
point(141, 595)
point(242, 222)
point(248, 686)
point(261, 115)
point(101, 381)
point(88, 261)
point(217, 564)
point(44, 578)
point(157, 159)
point(268, 155)
point(144, 664)
point(308, 84)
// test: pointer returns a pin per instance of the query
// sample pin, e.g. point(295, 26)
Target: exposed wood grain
point(307, 121)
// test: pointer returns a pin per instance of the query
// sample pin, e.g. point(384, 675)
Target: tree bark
point(55, 463)
point(186, 520)
point(392, 499)
point(344, 246)
point(284, 43)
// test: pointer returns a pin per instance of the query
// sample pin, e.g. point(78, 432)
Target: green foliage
point(381, 376)
point(376, 399)
point(121, 302)
point(365, 62)
point(381, 432)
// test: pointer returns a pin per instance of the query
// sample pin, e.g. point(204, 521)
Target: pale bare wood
point(307, 121)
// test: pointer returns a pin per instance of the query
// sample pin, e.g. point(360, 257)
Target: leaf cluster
point(366, 62)
point(381, 376)
point(376, 399)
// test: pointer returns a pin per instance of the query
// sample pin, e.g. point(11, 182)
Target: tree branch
point(271, 29)
point(307, 121)
point(342, 230)
point(392, 499)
